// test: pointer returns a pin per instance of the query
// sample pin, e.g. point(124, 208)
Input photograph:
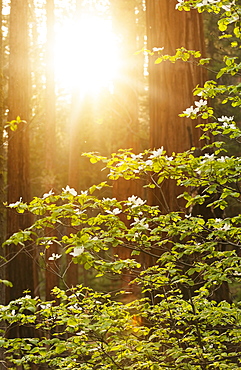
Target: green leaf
point(6, 282)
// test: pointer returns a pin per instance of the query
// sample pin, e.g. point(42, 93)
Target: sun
point(86, 55)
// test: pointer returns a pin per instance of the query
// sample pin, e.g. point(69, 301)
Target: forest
point(120, 185)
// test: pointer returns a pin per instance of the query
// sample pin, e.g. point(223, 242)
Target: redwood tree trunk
point(171, 85)
point(2, 183)
point(125, 132)
point(51, 276)
point(20, 266)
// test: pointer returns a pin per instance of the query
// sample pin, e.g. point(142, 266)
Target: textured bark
point(51, 277)
point(2, 162)
point(125, 134)
point(74, 157)
point(20, 266)
point(2, 184)
point(171, 85)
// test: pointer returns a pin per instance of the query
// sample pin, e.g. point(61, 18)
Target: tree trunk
point(171, 86)
point(20, 266)
point(51, 277)
point(125, 133)
point(2, 183)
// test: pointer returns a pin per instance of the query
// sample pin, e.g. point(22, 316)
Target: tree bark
point(51, 276)
point(20, 266)
point(125, 133)
point(2, 182)
point(171, 86)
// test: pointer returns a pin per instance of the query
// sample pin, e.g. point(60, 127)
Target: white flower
point(225, 119)
point(114, 212)
point(156, 153)
point(46, 195)
point(54, 257)
point(12, 205)
point(207, 157)
point(227, 8)
point(136, 156)
point(190, 111)
point(135, 201)
point(201, 93)
point(236, 273)
point(198, 171)
point(119, 164)
point(78, 212)
point(84, 192)
point(80, 332)
point(226, 227)
point(226, 122)
point(149, 162)
point(200, 103)
point(141, 222)
point(169, 158)
point(72, 191)
point(45, 306)
point(180, 3)
point(206, 2)
point(157, 49)
point(77, 251)
point(222, 159)
point(108, 199)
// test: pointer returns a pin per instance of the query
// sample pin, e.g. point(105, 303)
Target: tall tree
point(51, 278)
point(2, 182)
point(171, 85)
point(125, 133)
point(2, 165)
point(20, 266)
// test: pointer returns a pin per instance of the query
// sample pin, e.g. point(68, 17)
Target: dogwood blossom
point(157, 49)
point(135, 201)
point(156, 153)
point(206, 2)
point(54, 257)
point(200, 103)
point(84, 192)
point(72, 191)
point(149, 162)
point(46, 195)
point(140, 222)
point(12, 205)
point(45, 306)
point(190, 111)
point(226, 119)
point(222, 159)
point(180, 3)
point(114, 212)
point(207, 158)
point(108, 199)
point(77, 251)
